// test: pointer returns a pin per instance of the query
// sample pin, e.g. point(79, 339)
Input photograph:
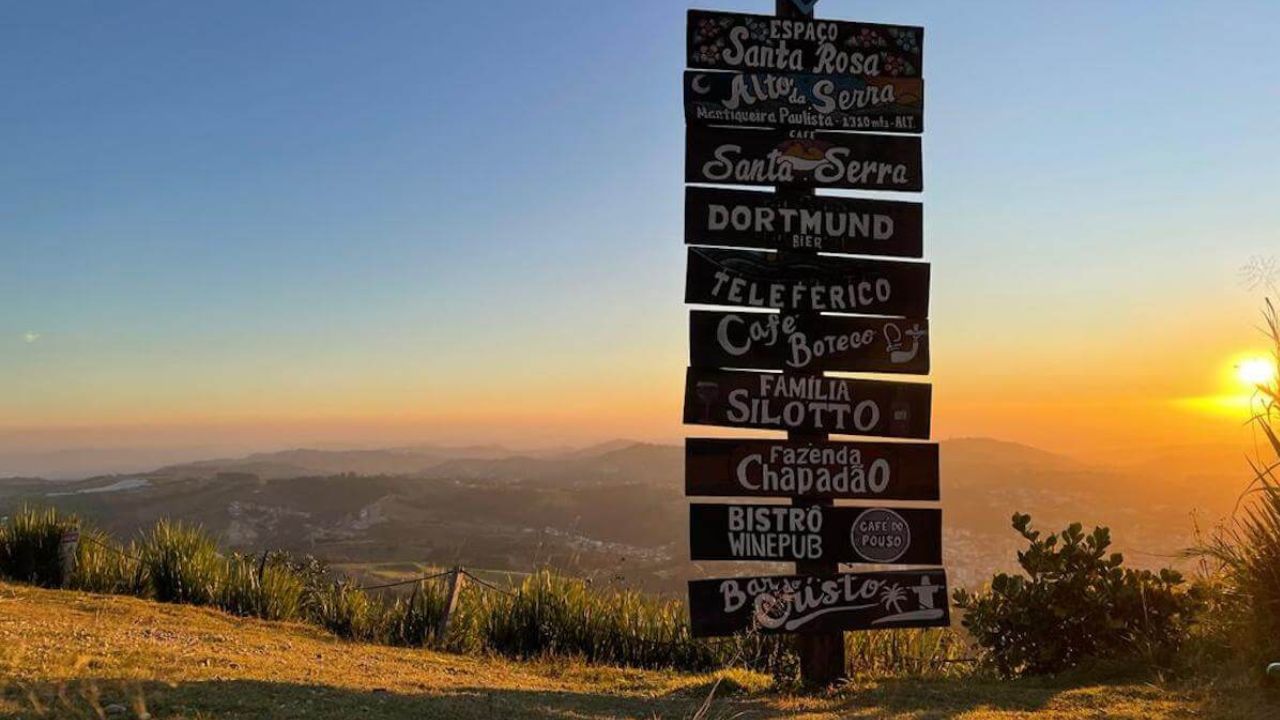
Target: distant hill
point(973, 450)
point(79, 463)
point(615, 509)
point(302, 462)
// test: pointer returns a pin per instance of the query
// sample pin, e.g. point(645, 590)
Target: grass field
point(68, 655)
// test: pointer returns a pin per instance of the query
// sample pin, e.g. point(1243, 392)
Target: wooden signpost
point(799, 282)
point(770, 101)
point(720, 467)
point(807, 403)
point(807, 604)
point(805, 102)
point(844, 161)
point(771, 341)
point(770, 221)
point(904, 536)
point(791, 43)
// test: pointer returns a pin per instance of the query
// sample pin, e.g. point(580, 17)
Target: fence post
point(450, 603)
point(67, 553)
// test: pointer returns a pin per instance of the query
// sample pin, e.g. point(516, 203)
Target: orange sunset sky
point(218, 233)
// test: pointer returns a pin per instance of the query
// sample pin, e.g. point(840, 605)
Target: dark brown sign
point(798, 604)
point(790, 468)
point(852, 161)
point(774, 341)
point(807, 403)
point(790, 533)
point(812, 282)
point(804, 102)
point(754, 219)
point(737, 41)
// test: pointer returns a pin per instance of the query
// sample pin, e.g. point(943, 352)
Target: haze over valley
point(614, 511)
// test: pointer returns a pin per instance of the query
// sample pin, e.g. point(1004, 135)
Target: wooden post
point(450, 603)
point(821, 654)
point(67, 553)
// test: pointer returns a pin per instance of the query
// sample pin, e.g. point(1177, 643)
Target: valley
point(616, 512)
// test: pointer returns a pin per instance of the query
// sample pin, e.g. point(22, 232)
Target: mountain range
point(614, 511)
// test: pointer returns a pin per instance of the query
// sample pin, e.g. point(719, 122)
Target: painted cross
point(925, 591)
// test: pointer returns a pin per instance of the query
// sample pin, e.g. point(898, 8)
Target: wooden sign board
point(754, 219)
point(717, 467)
point(810, 343)
point(806, 283)
point(772, 401)
point(738, 41)
point(790, 533)
point(817, 603)
point(850, 161)
point(804, 102)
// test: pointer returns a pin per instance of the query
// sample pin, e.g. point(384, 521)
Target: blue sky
point(295, 209)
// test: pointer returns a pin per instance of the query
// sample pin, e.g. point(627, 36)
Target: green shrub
point(183, 564)
point(1076, 603)
point(29, 546)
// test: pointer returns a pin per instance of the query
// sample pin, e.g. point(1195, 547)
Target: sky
point(291, 223)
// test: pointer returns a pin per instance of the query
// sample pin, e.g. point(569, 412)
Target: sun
point(1256, 371)
point(1238, 385)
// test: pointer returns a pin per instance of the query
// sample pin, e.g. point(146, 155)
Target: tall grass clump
point(103, 566)
point(551, 614)
point(912, 652)
point(265, 586)
point(1247, 547)
point(29, 546)
point(344, 610)
point(183, 564)
point(412, 621)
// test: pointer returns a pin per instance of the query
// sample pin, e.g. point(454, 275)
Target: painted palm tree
point(892, 596)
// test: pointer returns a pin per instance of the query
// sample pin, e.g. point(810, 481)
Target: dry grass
point(69, 655)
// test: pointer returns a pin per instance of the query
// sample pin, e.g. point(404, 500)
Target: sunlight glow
point(1256, 371)
point(1237, 392)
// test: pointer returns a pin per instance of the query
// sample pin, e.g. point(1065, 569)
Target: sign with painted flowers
point(739, 41)
point(808, 603)
point(805, 102)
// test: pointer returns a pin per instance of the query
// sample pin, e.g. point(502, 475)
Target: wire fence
point(460, 571)
point(486, 585)
point(109, 548)
point(400, 583)
point(359, 588)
